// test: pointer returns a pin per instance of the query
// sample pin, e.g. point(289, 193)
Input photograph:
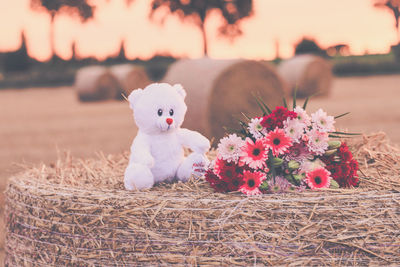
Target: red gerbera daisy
point(224, 168)
point(230, 173)
point(254, 154)
point(220, 164)
point(344, 153)
point(318, 178)
point(269, 122)
point(277, 117)
point(352, 181)
point(251, 182)
point(344, 169)
point(234, 183)
point(353, 167)
point(215, 182)
point(278, 141)
point(335, 170)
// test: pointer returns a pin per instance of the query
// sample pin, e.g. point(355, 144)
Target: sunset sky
point(355, 22)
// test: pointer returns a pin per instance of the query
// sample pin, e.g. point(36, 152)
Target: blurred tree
point(308, 46)
point(338, 49)
point(233, 11)
point(119, 57)
point(18, 60)
point(74, 56)
point(71, 7)
point(121, 54)
point(394, 7)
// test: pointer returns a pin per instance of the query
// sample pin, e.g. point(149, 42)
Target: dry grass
point(76, 212)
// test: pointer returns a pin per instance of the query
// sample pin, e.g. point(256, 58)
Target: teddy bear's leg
point(138, 176)
point(192, 165)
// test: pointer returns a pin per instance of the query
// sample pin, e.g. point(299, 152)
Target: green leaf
point(294, 179)
point(293, 165)
point(285, 103)
point(306, 102)
point(334, 144)
point(294, 97)
point(307, 99)
point(271, 166)
point(264, 111)
point(343, 133)
point(276, 162)
point(330, 152)
point(335, 136)
point(297, 177)
point(341, 115)
point(265, 105)
point(264, 185)
point(334, 184)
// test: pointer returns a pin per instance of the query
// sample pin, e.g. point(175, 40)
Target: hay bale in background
point(310, 74)
point(76, 213)
point(130, 77)
point(219, 90)
point(95, 83)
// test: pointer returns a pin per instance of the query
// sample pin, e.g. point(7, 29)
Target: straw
point(76, 212)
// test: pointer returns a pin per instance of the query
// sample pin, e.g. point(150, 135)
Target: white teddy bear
point(157, 151)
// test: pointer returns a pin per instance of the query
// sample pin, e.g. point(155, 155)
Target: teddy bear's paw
point(194, 165)
point(137, 177)
point(200, 144)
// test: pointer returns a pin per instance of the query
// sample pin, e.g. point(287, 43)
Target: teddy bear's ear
point(134, 96)
point(178, 87)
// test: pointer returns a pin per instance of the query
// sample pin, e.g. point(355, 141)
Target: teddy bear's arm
point(140, 151)
point(193, 140)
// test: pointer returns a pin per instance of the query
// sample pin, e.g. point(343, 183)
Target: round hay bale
point(94, 83)
point(130, 77)
point(219, 90)
point(310, 74)
point(76, 213)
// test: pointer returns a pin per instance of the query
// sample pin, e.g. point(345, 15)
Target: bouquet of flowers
point(281, 151)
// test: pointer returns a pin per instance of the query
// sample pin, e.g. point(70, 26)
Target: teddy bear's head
point(159, 107)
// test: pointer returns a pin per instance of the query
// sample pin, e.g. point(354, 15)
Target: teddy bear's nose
point(169, 121)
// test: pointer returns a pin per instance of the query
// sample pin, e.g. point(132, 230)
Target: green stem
point(270, 157)
point(294, 180)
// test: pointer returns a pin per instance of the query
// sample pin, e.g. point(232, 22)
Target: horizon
point(362, 26)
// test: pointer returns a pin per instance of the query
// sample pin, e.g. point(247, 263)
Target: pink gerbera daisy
point(318, 178)
point(317, 141)
point(254, 154)
point(251, 183)
point(229, 148)
point(302, 116)
point(322, 121)
point(278, 141)
point(298, 152)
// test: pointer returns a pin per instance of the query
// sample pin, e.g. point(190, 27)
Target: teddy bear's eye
point(171, 112)
point(159, 112)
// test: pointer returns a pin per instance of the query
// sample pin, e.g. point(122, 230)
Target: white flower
point(255, 128)
point(302, 116)
point(317, 141)
point(294, 129)
point(230, 148)
point(322, 121)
